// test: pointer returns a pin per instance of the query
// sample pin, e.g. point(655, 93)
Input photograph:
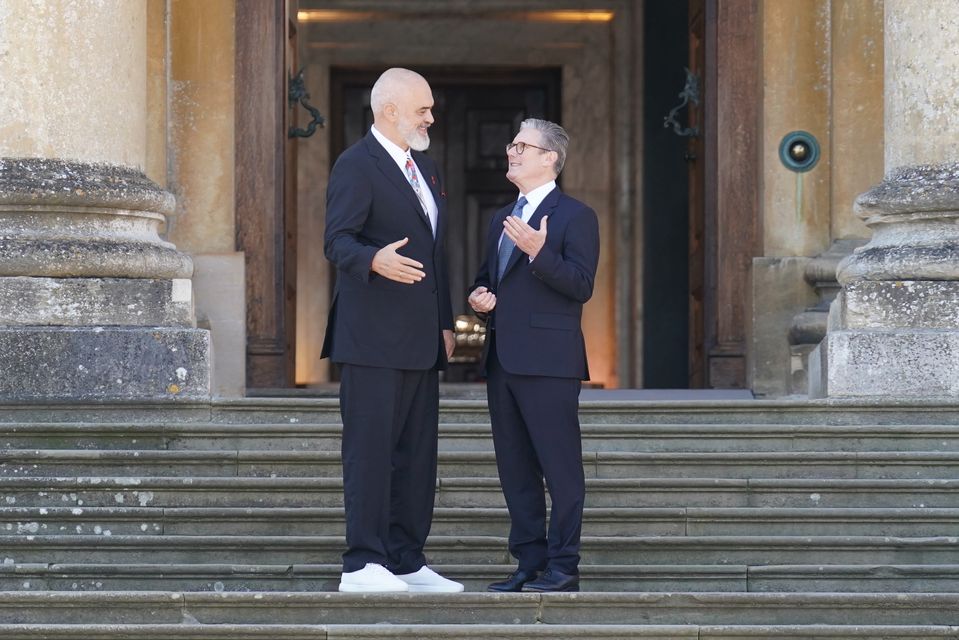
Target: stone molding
point(76, 219)
point(914, 216)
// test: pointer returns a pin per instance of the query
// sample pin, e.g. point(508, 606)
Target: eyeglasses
point(521, 147)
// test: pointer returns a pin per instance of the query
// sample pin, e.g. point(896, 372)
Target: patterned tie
point(414, 179)
point(506, 245)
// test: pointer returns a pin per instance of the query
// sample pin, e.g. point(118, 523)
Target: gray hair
point(389, 87)
point(554, 137)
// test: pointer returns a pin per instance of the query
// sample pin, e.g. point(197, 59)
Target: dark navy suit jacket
point(375, 321)
point(539, 304)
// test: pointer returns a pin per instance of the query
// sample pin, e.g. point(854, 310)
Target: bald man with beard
point(390, 329)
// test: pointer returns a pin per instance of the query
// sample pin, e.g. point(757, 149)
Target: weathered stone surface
point(95, 301)
point(913, 363)
point(779, 290)
point(79, 219)
point(924, 304)
point(914, 216)
point(31, 181)
point(220, 284)
point(113, 363)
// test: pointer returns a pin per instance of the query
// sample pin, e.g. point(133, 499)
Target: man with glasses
point(539, 267)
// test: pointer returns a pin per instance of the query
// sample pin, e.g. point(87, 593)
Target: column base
point(81, 364)
point(894, 364)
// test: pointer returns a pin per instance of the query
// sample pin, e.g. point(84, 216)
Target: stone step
point(710, 609)
point(476, 437)
point(237, 411)
point(627, 411)
point(312, 578)
point(358, 632)
point(664, 550)
point(595, 578)
point(853, 465)
point(727, 492)
point(623, 521)
point(189, 631)
point(477, 492)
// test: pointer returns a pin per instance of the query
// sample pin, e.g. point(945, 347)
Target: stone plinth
point(94, 304)
point(905, 363)
point(894, 328)
point(80, 364)
point(81, 302)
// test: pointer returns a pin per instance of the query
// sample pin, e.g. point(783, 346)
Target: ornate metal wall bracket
point(298, 94)
point(690, 93)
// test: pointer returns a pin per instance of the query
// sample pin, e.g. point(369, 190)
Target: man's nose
point(429, 116)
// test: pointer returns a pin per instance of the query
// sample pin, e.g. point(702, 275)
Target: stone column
point(894, 328)
point(94, 305)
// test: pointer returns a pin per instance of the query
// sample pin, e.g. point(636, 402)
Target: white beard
point(417, 141)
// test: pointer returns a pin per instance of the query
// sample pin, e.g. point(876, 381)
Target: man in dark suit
point(391, 329)
point(541, 258)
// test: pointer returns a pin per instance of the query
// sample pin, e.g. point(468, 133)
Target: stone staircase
point(731, 519)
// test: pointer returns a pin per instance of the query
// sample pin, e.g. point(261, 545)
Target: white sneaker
point(428, 581)
point(372, 578)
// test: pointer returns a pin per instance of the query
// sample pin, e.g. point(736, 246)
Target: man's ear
point(391, 111)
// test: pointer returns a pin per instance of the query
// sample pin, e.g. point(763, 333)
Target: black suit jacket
point(539, 304)
point(375, 321)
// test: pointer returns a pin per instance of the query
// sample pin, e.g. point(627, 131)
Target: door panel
point(264, 187)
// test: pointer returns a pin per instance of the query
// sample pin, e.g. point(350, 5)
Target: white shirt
point(533, 199)
point(399, 156)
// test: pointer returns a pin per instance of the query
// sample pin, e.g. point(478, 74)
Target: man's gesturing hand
point(482, 300)
point(392, 265)
point(529, 240)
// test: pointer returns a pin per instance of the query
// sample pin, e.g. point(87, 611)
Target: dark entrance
point(477, 113)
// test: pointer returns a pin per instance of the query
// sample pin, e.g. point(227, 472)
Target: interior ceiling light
point(334, 15)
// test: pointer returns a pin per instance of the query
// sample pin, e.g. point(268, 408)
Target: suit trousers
point(390, 423)
point(536, 434)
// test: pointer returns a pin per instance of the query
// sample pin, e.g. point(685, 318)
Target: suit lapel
point(389, 169)
point(545, 208)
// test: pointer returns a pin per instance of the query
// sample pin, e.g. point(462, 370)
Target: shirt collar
point(397, 153)
point(537, 195)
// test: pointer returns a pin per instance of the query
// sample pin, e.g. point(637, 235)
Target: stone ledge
point(920, 364)
point(86, 302)
point(913, 189)
point(186, 631)
point(34, 181)
point(899, 304)
point(104, 363)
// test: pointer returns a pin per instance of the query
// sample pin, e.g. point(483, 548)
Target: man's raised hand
point(389, 264)
point(528, 239)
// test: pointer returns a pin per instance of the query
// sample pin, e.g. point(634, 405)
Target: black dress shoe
point(514, 582)
point(553, 580)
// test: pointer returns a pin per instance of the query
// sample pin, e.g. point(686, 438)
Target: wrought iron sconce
point(298, 94)
point(690, 93)
point(799, 151)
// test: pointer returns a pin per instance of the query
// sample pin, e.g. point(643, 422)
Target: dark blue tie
point(506, 245)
